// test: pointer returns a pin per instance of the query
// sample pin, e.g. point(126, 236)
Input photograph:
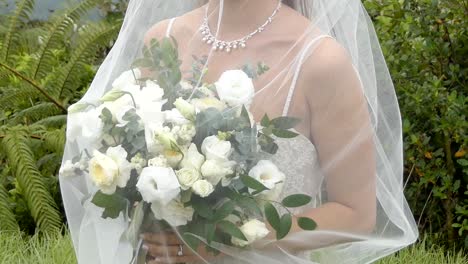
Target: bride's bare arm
point(342, 133)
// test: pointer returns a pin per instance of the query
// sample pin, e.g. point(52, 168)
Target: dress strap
point(169, 27)
point(296, 73)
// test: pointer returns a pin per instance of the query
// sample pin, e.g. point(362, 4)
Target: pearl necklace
point(228, 46)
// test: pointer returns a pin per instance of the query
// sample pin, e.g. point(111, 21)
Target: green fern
point(57, 121)
point(21, 158)
point(57, 33)
point(54, 140)
point(92, 40)
point(22, 13)
point(35, 113)
point(7, 218)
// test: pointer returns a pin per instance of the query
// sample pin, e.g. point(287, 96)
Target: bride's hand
point(166, 247)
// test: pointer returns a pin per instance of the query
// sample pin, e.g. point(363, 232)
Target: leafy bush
point(44, 67)
point(425, 43)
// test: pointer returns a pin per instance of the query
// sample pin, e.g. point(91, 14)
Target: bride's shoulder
point(181, 25)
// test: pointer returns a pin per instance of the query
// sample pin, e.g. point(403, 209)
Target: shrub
point(426, 45)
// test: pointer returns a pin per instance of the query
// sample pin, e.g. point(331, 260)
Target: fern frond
point(55, 140)
point(16, 99)
point(22, 13)
point(93, 39)
point(57, 121)
point(57, 34)
point(39, 200)
point(35, 113)
point(32, 84)
point(7, 217)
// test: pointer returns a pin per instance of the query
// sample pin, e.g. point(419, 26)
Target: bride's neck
point(239, 16)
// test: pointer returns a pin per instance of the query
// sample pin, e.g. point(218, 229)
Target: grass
point(58, 249)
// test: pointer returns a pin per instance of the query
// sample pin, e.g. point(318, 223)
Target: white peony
point(174, 212)
point(107, 171)
point(216, 149)
point(253, 230)
point(214, 171)
point(202, 188)
point(85, 126)
point(185, 108)
point(192, 158)
point(159, 161)
point(267, 173)
point(235, 88)
point(201, 104)
point(126, 78)
point(187, 177)
point(158, 184)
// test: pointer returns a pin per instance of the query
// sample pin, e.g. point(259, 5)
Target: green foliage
point(21, 157)
point(44, 67)
point(425, 43)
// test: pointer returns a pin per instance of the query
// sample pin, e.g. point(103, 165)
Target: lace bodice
point(303, 173)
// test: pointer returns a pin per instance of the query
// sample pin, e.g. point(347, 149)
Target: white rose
point(159, 161)
point(216, 149)
point(158, 184)
point(214, 171)
point(187, 177)
point(253, 230)
point(235, 88)
point(267, 173)
point(192, 158)
point(185, 108)
point(201, 104)
point(202, 188)
point(126, 78)
point(175, 213)
point(174, 116)
point(107, 171)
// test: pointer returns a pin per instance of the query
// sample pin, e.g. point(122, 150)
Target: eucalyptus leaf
point(224, 211)
point(272, 216)
point(285, 122)
point(202, 209)
point(231, 229)
point(306, 223)
point(253, 183)
point(285, 226)
point(284, 133)
point(112, 204)
point(296, 200)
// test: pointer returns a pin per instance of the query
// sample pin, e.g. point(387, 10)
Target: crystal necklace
point(228, 46)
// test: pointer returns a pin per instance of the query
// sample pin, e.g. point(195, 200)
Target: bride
point(317, 60)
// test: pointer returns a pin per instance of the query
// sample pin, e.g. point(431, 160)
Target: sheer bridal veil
point(357, 150)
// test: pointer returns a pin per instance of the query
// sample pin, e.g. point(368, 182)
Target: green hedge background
point(47, 65)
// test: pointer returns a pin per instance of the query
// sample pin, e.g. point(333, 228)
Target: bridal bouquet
point(169, 154)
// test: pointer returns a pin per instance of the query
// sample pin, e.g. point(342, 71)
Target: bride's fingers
point(165, 238)
point(168, 251)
